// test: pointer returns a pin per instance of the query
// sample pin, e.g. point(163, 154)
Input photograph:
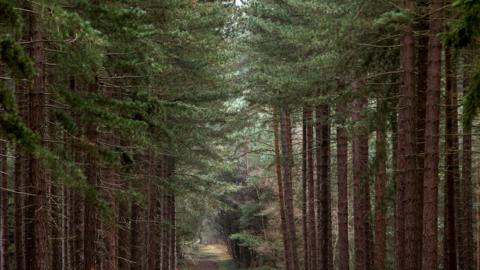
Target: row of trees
point(105, 109)
point(385, 79)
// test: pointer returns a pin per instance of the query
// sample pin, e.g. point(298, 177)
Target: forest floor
point(213, 257)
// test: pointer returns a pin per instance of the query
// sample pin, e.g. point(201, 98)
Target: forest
point(239, 134)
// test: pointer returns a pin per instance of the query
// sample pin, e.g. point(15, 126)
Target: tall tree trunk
point(323, 187)
point(20, 168)
point(304, 191)
point(422, 66)
point(408, 195)
point(281, 198)
point(90, 221)
point(165, 232)
point(287, 164)
point(451, 164)
point(311, 226)
point(360, 180)
point(380, 190)
point(123, 235)
point(4, 204)
point(152, 242)
point(37, 237)
point(342, 181)
point(135, 231)
point(466, 254)
point(430, 179)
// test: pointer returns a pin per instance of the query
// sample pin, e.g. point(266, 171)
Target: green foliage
point(13, 55)
point(466, 27)
point(8, 15)
point(471, 101)
point(246, 239)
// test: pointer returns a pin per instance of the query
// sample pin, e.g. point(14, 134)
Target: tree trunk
point(422, 66)
point(281, 198)
point(430, 179)
point(4, 203)
point(380, 190)
point(90, 223)
point(123, 235)
point(287, 164)
point(466, 254)
point(311, 226)
point(360, 180)
point(20, 168)
point(135, 231)
point(37, 236)
point(152, 242)
point(451, 164)
point(304, 191)
point(323, 187)
point(342, 179)
point(407, 193)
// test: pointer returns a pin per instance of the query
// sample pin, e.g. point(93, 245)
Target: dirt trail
point(210, 256)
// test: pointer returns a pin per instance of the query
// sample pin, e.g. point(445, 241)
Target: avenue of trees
point(315, 135)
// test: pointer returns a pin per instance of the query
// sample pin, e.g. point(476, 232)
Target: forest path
point(213, 257)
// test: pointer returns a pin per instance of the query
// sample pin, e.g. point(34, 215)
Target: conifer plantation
point(239, 134)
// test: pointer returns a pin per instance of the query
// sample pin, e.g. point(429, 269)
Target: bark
point(422, 66)
point(380, 192)
point(20, 168)
point(37, 236)
point(407, 193)
point(123, 236)
point(151, 247)
point(165, 232)
point(360, 180)
point(135, 246)
point(4, 205)
point(342, 179)
point(304, 191)
point(110, 226)
point(451, 164)
point(287, 164)
point(90, 218)
point(323, 187)
point(281, 198)
point(466, 254)
point(311, 227)
point(430, 179)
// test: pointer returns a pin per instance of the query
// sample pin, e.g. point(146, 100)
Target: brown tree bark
point(37, 236)
point(380, 190)
point(90, 218)
point(407, 193)
point(342, 179)
point(311, 223)
point(422, 66)
point(152, 242)
point(466, 253)
point(430, 179)
point(304, 191)
point(324, 225)
point(166, 231)
point(135, 231)
point(20, 168)
point(123, 235)
point(360, 179)
point(287, 164)
point(281, 198)
point(451, 164)
point(4, 204)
